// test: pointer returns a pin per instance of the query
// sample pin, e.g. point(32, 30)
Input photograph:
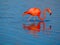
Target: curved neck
point(44, 13)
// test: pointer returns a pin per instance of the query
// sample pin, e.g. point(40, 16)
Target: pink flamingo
point(37, 12)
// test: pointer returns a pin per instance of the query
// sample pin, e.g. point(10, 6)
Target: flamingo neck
point(44, 13)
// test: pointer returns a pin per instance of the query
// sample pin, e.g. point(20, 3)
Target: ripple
point(39, 20)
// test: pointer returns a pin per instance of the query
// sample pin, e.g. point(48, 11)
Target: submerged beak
point(50, 13)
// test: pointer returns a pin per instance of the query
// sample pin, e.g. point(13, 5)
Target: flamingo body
point(34, 11)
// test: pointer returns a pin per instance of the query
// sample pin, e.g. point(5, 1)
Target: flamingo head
point(49, 11)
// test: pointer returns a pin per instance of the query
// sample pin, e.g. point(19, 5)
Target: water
point(13, 32)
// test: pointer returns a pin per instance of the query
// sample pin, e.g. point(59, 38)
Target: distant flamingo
point(37, 12)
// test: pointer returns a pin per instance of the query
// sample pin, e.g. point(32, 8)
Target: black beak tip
point(50, 13)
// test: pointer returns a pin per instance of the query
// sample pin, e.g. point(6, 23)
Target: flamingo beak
point(50, 13)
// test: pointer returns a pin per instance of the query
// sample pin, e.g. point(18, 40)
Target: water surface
point(12, 31)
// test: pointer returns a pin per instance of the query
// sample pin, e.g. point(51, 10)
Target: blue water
point(11, 23)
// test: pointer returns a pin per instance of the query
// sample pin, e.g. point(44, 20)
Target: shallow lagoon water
point(11, 23)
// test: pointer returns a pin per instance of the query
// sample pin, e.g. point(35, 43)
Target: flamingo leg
point(34, 18)
point(29, 18)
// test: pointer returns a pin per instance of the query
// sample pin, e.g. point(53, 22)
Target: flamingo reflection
point(35, 28)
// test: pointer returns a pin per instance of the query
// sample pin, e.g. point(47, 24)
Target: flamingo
point(37, 12)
